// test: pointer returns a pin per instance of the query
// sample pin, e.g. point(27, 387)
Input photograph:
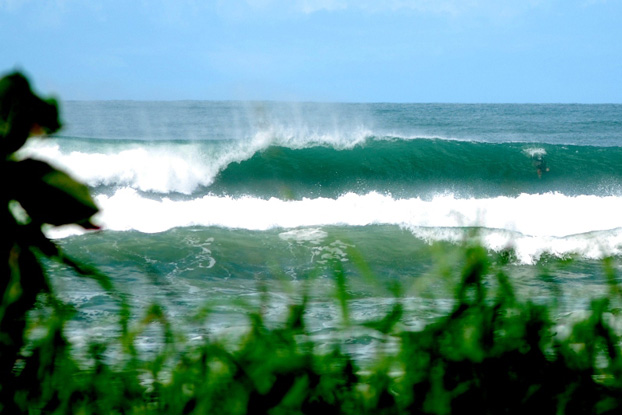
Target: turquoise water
point(207, 202)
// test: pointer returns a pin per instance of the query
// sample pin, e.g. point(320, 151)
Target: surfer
point(540, 164)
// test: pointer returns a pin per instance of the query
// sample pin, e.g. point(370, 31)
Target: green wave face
point(424, 167)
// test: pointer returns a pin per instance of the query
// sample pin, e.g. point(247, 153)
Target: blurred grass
point(492, 353)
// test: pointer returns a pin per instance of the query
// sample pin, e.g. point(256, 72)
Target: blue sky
point(318, 50)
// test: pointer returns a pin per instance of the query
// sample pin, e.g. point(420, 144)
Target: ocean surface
point(221, 203)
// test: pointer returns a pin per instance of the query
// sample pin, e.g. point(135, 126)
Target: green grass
point(493, 353)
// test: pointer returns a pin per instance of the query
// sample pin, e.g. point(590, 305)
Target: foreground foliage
point(493, 353)
point(33, 193)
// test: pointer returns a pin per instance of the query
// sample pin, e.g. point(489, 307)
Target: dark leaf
point(50, 195)
point(22, 112)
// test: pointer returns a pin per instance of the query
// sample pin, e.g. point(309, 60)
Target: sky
point(454, 51)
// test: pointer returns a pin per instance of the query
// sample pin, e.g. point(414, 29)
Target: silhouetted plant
point(33, 194)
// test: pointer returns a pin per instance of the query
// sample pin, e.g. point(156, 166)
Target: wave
point(159, 167)
point(551, 222)
point(550, 214)
point(293, 167)
point(170, 166)
point(417, 167)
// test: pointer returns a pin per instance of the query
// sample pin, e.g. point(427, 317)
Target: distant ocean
point(206, 201)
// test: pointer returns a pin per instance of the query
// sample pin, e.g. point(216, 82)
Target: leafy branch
point(43, 195)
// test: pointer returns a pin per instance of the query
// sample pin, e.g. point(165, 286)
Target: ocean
point(220, 204)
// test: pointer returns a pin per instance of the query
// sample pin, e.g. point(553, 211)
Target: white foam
point(589, 226)
point(535, 151)
point(311, 235)
point(160, 167)
point(303, 136)
point(181, 167)
point(529, 249)
point(550, 214)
